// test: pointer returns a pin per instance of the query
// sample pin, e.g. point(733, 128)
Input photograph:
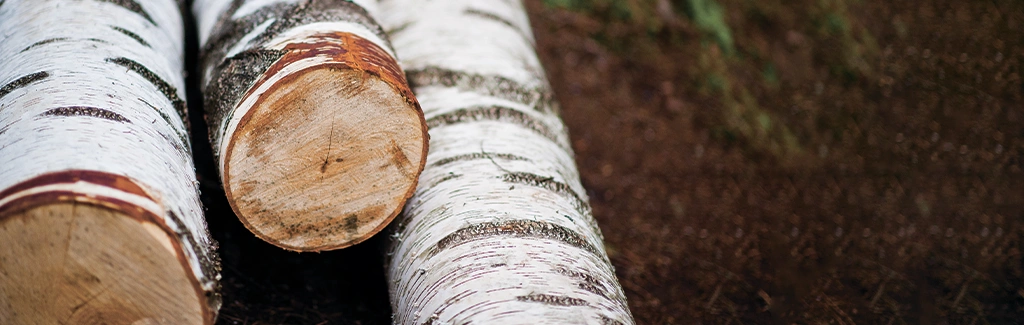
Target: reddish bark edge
point(349, 51)
point(113, 181)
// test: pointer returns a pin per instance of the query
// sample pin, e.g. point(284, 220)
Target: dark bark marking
point(478, 155)
point(44, 42)
point(540, 98)
point(605, 320)
point(587, 282)
point(22, 82)
point(169, 91)
point(493, 113)
point(182, 135)
point(445, 179)
point(230, 81)
point(493, 17)
point(516, 229)
point(86, 111)
point(132, 6)
point(553, 300)
point(399, 29)
point(134, 36)
point(550, 184)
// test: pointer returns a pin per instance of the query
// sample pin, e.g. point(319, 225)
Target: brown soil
point(871, 174)
point(840, 162)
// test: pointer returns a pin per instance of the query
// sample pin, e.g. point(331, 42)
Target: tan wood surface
point(74, 263)
point(325, 159)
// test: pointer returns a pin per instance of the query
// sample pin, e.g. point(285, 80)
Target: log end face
point(69, 262)
point(325, 159)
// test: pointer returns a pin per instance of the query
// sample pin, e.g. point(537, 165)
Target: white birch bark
point(499, 230)
point(310, 160)
point(92, 112)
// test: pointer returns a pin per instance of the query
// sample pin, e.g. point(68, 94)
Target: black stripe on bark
point(399, 29)
point(229, 82)
point(86, 111)
point(446, 178)
point(553, 300)
point(169, 91)
point(44, 42)
point(476, 156)
point(540, 98)
point(22, 82)
point(587, 281)
point(493, 113)
point(134, 36)
point(132, 6)
point(549, 183)
point(182, 135)
point(605, 320)
point(501, 20)
point(515, 229)
point(492, 16)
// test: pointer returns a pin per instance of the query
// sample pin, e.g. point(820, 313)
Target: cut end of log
point(79, 263)
point(325, 159)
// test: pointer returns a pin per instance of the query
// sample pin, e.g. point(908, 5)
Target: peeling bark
point(499, 230)
point(98, 184)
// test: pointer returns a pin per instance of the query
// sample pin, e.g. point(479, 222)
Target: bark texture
point(310, 89)
point(499, 230)
point(92, 114)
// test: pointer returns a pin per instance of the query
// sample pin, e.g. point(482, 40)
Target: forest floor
point(752, 162)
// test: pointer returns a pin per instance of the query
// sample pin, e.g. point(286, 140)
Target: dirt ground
point(752, 162)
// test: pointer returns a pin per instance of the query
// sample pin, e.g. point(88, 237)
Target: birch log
point(499, 230)
point(318, 137)
point(100, 220)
